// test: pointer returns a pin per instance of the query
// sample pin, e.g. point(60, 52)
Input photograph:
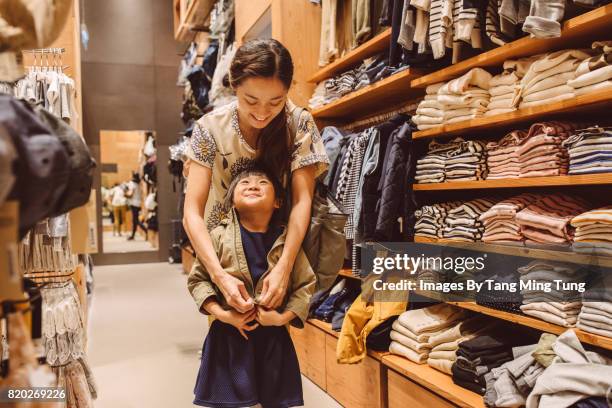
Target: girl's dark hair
point(229, 196)
point(267, 59)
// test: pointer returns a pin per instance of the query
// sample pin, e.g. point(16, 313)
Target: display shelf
point(533, 253)
point(190, 15)
point(347, 273)
point(577, 180)
point(326, 327)
point(434, 380)
point(371, 47)
point(576, 32)
point(589, 338)
point(387, 92)
point(584, 103)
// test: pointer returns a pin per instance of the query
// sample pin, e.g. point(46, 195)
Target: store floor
point(145, 336)
point(116, 244)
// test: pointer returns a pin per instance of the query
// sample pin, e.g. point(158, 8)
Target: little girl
point(248, 358)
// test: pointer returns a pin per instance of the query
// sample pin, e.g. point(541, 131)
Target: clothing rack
point(377, 119)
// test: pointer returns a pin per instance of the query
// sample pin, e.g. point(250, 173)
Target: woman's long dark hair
point(267, 59)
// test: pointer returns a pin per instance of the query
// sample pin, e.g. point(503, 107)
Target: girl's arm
point(198, 186)
point(302, 192)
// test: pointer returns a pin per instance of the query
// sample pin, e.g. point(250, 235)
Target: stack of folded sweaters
point(462, 222)
point(501, 299)
point(590, 151)
point(502, 158)
point(546, 80)
point(431, 167)
point(594, 74)
point(430, 219)
point(502, 86)
point(318, 97)
point(546, 221)
point(593, 231)
point(596, 313)
point(541, 153)
point(412, 331)
point(510, 384)
point(553, 305)
point(429, 112)
point(466, 162)
point(445, 344)
point(499, 220)
point(466, 97)
point(478, 356)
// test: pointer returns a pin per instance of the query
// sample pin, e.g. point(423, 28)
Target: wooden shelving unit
point(558, 181)
point(532, 253)
point(385, 93)
point(188, 15)
point(529, 321)
point(326, 327)
point(347, 273)
point(371, 47)
point(576, 32)
point(601, 100)
point(432, 379)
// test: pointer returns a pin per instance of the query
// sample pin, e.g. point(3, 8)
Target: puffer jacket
point(398, 175)
point(227, 242)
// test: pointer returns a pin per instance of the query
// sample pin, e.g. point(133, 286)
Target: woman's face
point(260, 100)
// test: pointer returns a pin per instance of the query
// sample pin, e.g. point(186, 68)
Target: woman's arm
point(302, 192)
point(198, 186)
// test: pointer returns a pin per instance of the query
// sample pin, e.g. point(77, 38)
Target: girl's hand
point(275, 286)
point(235, 292)
point(239, 320)
point(273, 318)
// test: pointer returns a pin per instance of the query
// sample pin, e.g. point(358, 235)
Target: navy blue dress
point(235, 372)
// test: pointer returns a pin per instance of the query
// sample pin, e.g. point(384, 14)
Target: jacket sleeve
point(199, 283)
point(303, 282)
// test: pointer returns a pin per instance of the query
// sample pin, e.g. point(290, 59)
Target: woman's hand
point(239, 320)
point(275, 286)
point(234, 292)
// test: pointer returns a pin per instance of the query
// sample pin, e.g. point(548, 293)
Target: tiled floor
point(115, 244)
point(144, 335)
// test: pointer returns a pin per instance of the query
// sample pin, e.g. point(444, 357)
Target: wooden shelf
point(589, 338)
point(578, 31)
point(533, 253)
point(434, 380)
point(578, 104)
point(371, 47)
point(577, 180)
point(348, 273)
point(389, 91)
point(189, 17)
point(326, 327)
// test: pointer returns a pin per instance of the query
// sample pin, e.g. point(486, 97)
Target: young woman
point(254, 129)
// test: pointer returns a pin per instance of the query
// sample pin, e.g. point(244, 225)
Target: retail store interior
point(131, 133)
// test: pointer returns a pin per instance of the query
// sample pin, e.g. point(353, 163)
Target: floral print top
point(218, 144)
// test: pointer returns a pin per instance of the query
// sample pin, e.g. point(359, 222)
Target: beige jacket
point(227, 242)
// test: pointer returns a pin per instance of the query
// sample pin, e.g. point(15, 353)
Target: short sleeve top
point(218, 143)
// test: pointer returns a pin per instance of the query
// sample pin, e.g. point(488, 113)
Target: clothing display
point(557, 306)
point(589, 151)
point(592, 233)
point(431, 219)
point(462, 222)
point(499, 221)
point(594, 74)
point(413, 330)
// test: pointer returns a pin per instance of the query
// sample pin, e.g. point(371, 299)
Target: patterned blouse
point(218, 144)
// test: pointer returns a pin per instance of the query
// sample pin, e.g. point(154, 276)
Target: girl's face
point(255, 192)
point(260, 100)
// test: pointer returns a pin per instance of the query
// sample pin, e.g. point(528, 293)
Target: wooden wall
point(297, 24)
point(123, 149)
